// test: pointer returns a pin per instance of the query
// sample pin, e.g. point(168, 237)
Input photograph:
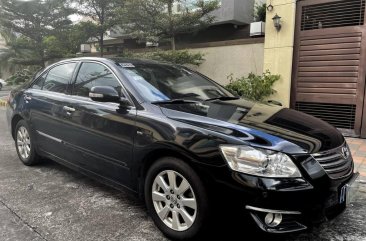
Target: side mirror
point(108, 94)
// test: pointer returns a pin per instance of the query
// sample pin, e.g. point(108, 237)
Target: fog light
point(273, 219)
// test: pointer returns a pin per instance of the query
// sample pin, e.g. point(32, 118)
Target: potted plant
point(257, 28)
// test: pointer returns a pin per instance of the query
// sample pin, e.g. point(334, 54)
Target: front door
point(101, 132)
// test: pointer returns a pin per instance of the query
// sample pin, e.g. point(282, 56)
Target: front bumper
point(296, 210)
point(320, 194)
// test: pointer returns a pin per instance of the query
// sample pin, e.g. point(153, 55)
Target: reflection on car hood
point(261, 125)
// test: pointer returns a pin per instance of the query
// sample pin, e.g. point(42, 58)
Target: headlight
point(259, 162)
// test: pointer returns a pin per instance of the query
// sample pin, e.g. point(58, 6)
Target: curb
point(3, 103)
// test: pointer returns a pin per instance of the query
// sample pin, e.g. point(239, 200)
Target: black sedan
point(181, 141)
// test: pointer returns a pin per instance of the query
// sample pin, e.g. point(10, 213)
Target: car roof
point(116, 60)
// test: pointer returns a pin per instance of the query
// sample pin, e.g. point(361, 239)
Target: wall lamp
point(277, 22)
point(270, 7)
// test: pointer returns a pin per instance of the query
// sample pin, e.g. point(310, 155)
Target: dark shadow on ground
point(233, 226)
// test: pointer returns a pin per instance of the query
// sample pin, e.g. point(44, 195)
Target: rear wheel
point(24, 144)
point(176, 199)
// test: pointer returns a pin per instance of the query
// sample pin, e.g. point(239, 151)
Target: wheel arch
point(14, 121)
point(156, 154)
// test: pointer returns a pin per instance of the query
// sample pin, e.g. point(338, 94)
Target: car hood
point(267, 126)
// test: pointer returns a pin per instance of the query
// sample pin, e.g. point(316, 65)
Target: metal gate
point(330, 61)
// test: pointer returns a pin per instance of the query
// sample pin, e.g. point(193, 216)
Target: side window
point(93, 74)
point(59, 78)
point(38, 84)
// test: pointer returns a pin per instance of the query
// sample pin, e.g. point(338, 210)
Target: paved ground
point(50, 202)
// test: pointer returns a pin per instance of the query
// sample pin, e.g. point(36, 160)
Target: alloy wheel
point(174, 200)
point(23, 143)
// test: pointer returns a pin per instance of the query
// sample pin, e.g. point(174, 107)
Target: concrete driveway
point(50, 202)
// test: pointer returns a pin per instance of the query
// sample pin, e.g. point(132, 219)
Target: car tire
point(184, 206)
point(1, 86)
point(24, 144)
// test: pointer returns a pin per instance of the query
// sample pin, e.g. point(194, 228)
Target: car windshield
point(162, 82)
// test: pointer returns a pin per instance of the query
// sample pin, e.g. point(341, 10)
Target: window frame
point(46, 71)
point(33, 82)
point(124, 91)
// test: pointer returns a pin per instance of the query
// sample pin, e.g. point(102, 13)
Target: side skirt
point(88, 173)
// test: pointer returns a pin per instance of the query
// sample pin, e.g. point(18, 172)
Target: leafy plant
point(260, 11)
point(105, 15)
point(27, 23)
point(182, 57)
point(166, 19)
point(22, 76)
point(254, 87)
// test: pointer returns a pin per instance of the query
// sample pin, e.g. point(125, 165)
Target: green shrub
point(22, 76)
point(172, 56)
point(254, 87)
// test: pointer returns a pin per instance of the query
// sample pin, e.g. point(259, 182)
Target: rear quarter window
point(59, 78)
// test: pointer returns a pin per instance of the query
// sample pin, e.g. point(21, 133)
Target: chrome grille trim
point(333, 162)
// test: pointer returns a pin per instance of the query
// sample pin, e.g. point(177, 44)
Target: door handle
point(68, 110)
point(27, 98)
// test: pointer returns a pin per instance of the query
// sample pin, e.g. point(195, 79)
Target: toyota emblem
point(345, 152)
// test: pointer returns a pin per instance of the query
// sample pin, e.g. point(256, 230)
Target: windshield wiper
point(224, 98)
point(174, 101)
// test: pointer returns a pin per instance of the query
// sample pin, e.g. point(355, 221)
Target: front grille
point(334, 162)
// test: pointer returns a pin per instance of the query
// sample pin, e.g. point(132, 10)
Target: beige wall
point(239, 60)
point(278, 47)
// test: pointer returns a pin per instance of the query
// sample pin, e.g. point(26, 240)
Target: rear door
point(44, 102)
point(101, 132)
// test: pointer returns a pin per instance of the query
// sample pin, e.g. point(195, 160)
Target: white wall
point(239, 60)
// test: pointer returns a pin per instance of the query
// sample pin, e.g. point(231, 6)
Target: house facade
point(226, 44)
point(232, 21)
point(320, 53)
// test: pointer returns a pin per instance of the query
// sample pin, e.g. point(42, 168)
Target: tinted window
point(92, 74)
point(158, 82)
point(38, 84)
point(59, 77)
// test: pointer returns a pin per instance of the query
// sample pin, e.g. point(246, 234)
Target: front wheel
point(176, 199)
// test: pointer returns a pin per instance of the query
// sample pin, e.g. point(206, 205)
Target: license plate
point(348, 191)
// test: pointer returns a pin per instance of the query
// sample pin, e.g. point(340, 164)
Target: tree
point(29, 23)
point(260, 11)
point(165, 19)
point(105, 15)
point(181, 57)
point(67, 43)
